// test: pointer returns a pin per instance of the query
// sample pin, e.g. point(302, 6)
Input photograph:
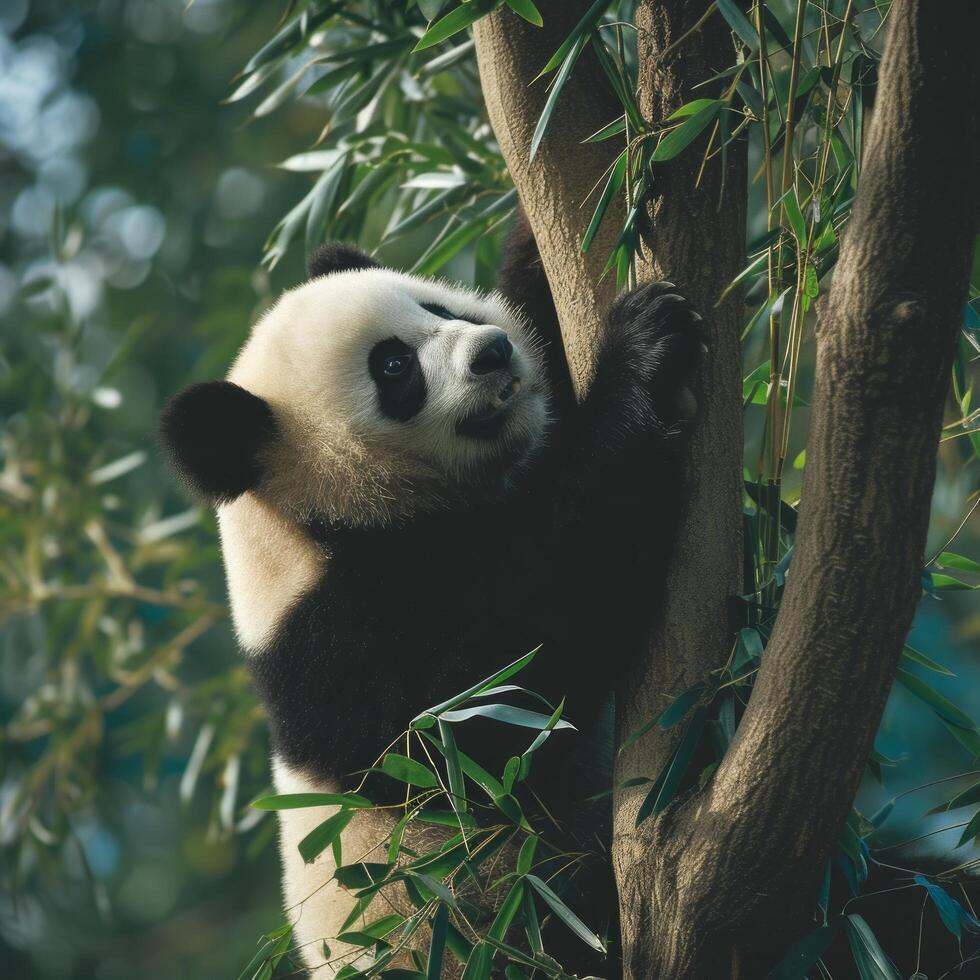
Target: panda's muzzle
point(489, 421)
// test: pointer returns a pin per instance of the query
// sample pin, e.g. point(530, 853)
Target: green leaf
point(364, 874)
point(531, 926)
point(322, 836)
point(920, 658)
point(966, 797)
point(739, 23)
point(455, 21)
point(946, 583)
point(616, 177)
point(671, 715)
point(565, 914)
point(678, 139)
point(971, 830)
point(448, 818)
point(559, 83)
point(798, 962)
point(437, 945)
point(614, 128)
point(297, 801)
point(953, 915)
point(292, 34)
point(869, 957)
point(430, 8)
point(478, 964)
point(969, 738)
point(525, 859)
point(508, 910)
point(511, 771)
point(941, 705)
point(373, 931)
point(507, 714)
point(437, 888)
point(397, 832)
point(791, 207)
point(409, 771)
point(579, 33)
point(540, 739)
point(527, 10)
point(667, 783)
point(482, 686)
point(510, 808)
point(454, 775)
point(691, 108)
point(490, 784)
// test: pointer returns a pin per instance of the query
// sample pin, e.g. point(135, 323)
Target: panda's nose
point(493, 355)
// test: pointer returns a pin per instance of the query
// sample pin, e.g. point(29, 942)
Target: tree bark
point(705, 885)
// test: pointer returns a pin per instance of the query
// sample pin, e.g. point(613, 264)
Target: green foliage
point(439, 881)
point(121, 691)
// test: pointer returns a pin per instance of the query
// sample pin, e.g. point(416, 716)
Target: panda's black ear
point(213, 433)
point(337, 257)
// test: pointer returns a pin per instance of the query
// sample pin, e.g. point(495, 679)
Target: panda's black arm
point(640, 404)
point(521, 279)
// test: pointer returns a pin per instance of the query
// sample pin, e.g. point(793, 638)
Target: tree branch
point(747, 853)
point(695, 239)
point(555, 187)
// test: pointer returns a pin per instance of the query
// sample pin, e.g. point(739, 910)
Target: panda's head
point(365, 396)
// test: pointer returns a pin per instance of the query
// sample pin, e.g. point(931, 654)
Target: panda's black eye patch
point(438, 310)
point(399, 379)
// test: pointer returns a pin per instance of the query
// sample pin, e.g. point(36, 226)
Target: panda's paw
point(655, 347)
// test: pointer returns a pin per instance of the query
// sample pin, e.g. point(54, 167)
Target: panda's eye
point(396, 365)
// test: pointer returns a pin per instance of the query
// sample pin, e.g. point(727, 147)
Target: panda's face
point(383, 383)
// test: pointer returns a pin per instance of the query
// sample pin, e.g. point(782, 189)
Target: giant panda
point(410, 497)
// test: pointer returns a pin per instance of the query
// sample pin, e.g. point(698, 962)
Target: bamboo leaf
point(949, 560)
point(869, 957)
point(321, 837)
point(565, 914)
point(295, 801)
point(560, 79)
point(613, 184)
point(455, 21)
point(941, 705)
point(527, 10)
point(581, 31)
point(482, 686)
point(437, 945)
point(409, 771)
point(667, 783)
point(614, 128)
point(914, 656)
point(678, 139)
point(739, 23)
point(798, 962)
point(507, 714)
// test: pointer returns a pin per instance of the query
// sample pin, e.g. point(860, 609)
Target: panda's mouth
point(490, 420)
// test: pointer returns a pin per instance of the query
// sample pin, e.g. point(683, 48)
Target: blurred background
point(134, 206)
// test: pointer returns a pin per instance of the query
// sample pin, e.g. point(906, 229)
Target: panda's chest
point(476, 577)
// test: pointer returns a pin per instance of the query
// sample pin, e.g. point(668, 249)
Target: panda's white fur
point(340, 458)
point(307, 357)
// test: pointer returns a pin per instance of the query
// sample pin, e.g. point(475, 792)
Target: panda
point(410, 497)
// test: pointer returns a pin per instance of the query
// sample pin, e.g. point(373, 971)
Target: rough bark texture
point(705, 886)
point(695, 240)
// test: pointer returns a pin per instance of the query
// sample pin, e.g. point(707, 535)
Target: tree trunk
point(706, 886)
